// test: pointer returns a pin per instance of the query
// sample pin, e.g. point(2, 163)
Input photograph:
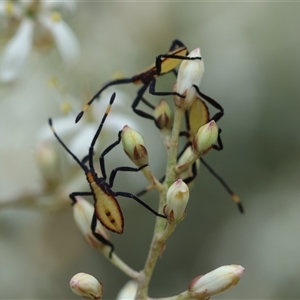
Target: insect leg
point(152, 91)
point(97, 95)
point(219, 145)
point(176, 44)
point(74, 194)
point(212, 102)
point(147, 189)
point(145, 101)
point(129, 195)
point(108, 149)
point(159, 59)
point(129, 169)
point(139, 98)
point(235, 197)
point(91, 149)
point(100, 237)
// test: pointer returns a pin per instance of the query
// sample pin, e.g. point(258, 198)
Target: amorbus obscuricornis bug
point(164, 63)
point(107, 209)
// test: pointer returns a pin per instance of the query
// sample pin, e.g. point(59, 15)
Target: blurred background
point(250, 52)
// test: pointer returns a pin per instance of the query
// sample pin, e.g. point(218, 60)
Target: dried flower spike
point(86, 286)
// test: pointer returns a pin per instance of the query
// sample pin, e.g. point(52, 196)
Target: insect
point(107, 209)
point(197, 116)
point(164, 63)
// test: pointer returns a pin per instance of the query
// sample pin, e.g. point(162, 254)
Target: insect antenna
point(85, 169)
point(91, 150)
point(97, 95)
point(234, 196)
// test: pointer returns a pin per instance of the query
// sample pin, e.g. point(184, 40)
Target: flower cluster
point(39, 24)
point(94, 222)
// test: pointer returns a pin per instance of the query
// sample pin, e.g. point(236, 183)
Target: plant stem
point(161, 230)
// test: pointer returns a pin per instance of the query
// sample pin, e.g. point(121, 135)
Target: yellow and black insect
point(164, 63)
point(197, 116)
point(107, 209)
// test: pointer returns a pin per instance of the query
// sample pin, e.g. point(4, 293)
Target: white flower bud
point(216, 281)
point(128, 291)
point(187, 155)
point(190, 73)
point(86, 286)
point(177, 198)
point(83, 213)
point(48, 162)
point(206, 137)
point(134, 146)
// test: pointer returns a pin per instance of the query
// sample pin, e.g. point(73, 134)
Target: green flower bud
point(163, 115)
point(177, 198)
point(134, 146)
point(206, 137)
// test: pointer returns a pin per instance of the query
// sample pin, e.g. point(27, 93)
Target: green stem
point(173, 150)
point(119, 263)
point(161, 230)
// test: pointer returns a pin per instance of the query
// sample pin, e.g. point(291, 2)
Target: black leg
point(137, 100)
point(235, 198)
point(147, 189)
point(146, 102)
point(176, 44)
point(100, 237)
point(194, 173)
point(159, 60)
point(213, 102)
point(152, 91)
point(108, 149)
point(219, 145)
point(131, 196)
point(74, 194)
point(124, 169)
point(97, 95)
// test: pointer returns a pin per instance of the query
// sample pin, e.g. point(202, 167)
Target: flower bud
point(134, 146)
point(163, 115)
point(190, 73)
point(83, 213)
point(187, 155)
point(216, 281)
point(86, 286)
point(128, 291)
point(177, 198)
point(206, 137)
point(48, 162)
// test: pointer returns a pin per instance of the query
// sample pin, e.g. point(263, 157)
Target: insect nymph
point(164, 63)
point(107, 209)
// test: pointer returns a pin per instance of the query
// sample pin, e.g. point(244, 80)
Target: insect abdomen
point(107, 209)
